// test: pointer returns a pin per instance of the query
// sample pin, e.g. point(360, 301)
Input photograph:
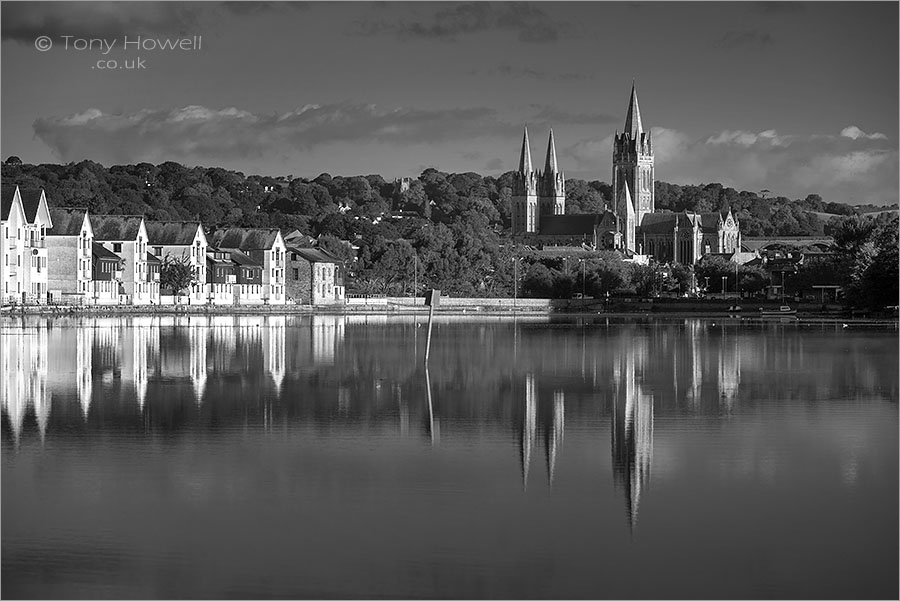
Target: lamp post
point(706, 284)
point(583, 263)
point(724, 280)
point(415, 275)
point(515, 281)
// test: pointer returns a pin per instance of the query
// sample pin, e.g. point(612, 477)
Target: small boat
point(782, 310)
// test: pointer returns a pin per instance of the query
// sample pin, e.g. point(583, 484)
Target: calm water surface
point(219, 457)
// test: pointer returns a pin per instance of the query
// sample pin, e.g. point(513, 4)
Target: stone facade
point(314, 277)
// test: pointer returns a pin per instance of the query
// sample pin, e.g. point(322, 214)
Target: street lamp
point(724, 280)
point(583, 263)
point(515, 280)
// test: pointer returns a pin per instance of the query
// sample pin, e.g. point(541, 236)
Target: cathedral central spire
point(633, 126)
point(525, 158)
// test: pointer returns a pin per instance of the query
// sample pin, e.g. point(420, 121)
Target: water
point(314, 457)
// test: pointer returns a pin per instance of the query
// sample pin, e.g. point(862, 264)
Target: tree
point(176, 274)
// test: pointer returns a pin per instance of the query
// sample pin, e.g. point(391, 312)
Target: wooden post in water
point(432, 298)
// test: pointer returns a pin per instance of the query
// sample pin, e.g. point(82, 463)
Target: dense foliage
point(175, 275)
point(443, 230)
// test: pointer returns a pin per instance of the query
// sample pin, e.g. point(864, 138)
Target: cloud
point(550, 114)
point(494, 164)
point(743, 39)
point(508, 71)
point(530, 23)
point(851, 166)
point(778, 8)
point(231, 133)
point(24, 21)
point(854, 133)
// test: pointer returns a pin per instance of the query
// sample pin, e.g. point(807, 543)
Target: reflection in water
point(549, 415)
point(300, 426)
point(529, 427)
point(632, 431)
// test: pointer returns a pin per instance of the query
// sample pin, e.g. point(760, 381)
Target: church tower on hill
point(633, 163)
point(537, 193)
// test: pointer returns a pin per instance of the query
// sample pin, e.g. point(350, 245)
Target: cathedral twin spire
point(525, 165)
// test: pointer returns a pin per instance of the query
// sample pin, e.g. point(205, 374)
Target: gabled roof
point(6, 200)
point(172, 233)
point(98, 251)
point(570, 225)
point(709, 222)
point(658, 223)
point(66, 221)
point(244, 260)
point(315, 255)
point(116, 227)
point(151, 258)
point(245, 238)
point(31, 201)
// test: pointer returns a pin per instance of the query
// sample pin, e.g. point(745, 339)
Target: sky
point(795, 98)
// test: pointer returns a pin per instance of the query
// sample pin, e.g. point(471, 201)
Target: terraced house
point(126, 237)
point(266, 248)
point(179, 240)
point(69, 243)
point(24, 221)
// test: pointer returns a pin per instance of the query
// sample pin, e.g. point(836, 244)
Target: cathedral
point(632, 225)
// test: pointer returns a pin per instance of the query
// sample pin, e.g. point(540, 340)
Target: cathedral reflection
point(632, 430)
point(544, 413)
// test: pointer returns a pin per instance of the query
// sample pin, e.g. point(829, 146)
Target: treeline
point(441, 230)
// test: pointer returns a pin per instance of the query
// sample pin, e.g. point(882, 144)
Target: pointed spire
point(550, 166)
point(525, 157)
point(625, 196)
point(633, 125)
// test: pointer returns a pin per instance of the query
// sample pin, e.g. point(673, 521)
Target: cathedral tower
point(633, 164)
point(552, 193)
point(525, 193)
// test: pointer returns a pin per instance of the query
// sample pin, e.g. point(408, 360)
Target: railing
point(230, 279)
point(29, 243)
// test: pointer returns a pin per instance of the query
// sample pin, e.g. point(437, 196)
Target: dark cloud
point(553, 115)
point(743, 39)
point(530, 23)
point(507, 70)
point(24, 21)
point(778, 8)
point(197, 132)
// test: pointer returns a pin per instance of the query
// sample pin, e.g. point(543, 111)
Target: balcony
point(34, 243)
point(154, 277)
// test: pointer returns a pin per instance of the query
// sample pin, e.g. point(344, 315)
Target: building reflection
point(24, 361)
point(632, 431)
point(547, 416)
